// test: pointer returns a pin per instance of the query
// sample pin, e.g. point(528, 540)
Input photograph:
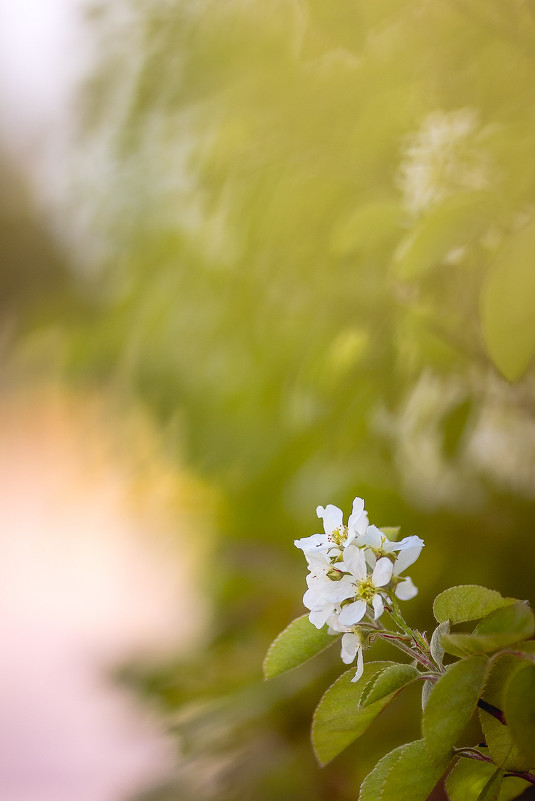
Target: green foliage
point(450, 696)
point(388, 681)
point(427, 689)
point(452, 703)
point(307, 210)
point(339, 719)
point(470, 778)
point(467, 602)
point(406, 774)
point(435, 645)
point(504, 627)
point(445, 228)
point(298, 642)
point(491, 790)
point(507, 304)
point(502, 748)
point(519, 709)
point(367, 228)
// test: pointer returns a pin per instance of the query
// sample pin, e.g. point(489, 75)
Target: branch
point(492, 710)
point(528, 777)
point(473, 753)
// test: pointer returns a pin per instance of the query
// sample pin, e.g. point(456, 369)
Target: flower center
point(366, 590)
point(339, 535)
point(379, 552)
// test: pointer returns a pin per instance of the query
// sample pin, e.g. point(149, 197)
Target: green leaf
point(406, 774)
point(296, 644)
point(451, 704)
point(527, 647)
point(498, 737)
point(338, 719)
point(455, 425)
point(437, 651)
point(367, 686)
point(491, 790)
point(469, 778)
point(516, 618)
point(426, 692)
point(503, 627)
point(373, 225)
point(372, 786)
point(508, 303)
point(519, 710)
point(388, 681)
point(467, 602)
point(453, 223)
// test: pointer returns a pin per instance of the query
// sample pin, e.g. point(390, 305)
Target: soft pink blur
point(93, 572)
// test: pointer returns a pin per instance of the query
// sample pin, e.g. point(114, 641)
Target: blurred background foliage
point(302, 238)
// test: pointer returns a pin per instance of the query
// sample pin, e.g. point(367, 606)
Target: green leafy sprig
point(490, 670)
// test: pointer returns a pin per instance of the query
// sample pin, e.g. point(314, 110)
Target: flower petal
point(355, 562)
point(338, 591)
point(352, 613)
point(313, 599)
point(336, 626)
point(406, 558)
point(350, 643)
point(317, 559)
point(382, 572)
point(358, 519)
point(358, 507)
point(406, 590)
point(360, 665)
point(372, 537)
point(332, 517)
point(312, 544)
point(319, 617)
point(378, 606)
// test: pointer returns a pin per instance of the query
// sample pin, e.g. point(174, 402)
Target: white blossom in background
point(354, 571)
point(443, 157)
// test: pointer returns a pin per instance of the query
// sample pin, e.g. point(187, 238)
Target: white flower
point(378, 544)
point(336, 535)
point(319, 564)
point(406, 590)
point(412, 548)
point(353, 567)
point(351, 648)
point(324, 597)
point(366, 588)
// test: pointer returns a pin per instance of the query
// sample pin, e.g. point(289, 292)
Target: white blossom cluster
point(354, 570)
point(444, 157)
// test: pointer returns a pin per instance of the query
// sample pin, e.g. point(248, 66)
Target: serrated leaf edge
point(434, 757)
point(275, 641)
point(462, 587)
point(368, 687)
point(401, 750)
point(328, 690)
point(415, 676)
point(391, 696)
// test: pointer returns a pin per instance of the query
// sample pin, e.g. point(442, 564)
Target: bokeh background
point(255, 257)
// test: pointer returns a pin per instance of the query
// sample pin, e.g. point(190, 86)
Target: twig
point(492, 710)
point(473, 753)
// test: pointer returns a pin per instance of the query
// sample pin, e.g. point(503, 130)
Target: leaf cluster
point(493, 672)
